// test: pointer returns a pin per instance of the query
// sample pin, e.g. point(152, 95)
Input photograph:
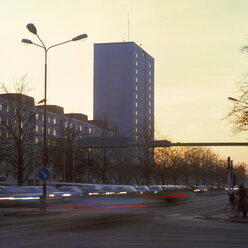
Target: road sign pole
point(43, 198)
point(43, 175)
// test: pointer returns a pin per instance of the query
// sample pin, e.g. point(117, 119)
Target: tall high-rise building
point(124, 87)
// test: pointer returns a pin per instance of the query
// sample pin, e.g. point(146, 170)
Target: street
point(197, 221)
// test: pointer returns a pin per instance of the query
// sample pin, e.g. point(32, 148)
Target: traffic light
point(44, 158)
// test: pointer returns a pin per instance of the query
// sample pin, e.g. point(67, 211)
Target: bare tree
point(17, 126)
point(144, 153)
point(238, 115)
point(102, 158)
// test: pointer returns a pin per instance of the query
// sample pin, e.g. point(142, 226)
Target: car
point(200, 189)
point(53, 192)
point(155, 189)
point(141, 189)
point(73, 191)
point(91, 189)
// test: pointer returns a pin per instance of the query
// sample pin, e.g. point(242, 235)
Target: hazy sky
point(195, 43)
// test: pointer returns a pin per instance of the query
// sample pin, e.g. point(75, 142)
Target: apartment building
point(21, 120)
point(124, 88)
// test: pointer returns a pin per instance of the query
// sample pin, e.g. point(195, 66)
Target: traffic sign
point(43, 174)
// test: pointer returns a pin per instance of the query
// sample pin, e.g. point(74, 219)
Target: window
point(90, 131)
point(136, 105)
point(136, 63)
point(36, 140)
point(136, 96)
point(8, 108)
point(136, 121)
point(1, 106)
point(54, 132)
point(150, 80)
point(136, 88)
point(150, 111)
point(48, 130)
point(54, 121)
point(136, 55)
point(136, 71)
point(49, 119)
point(66, 124)
point(136, 113)
point(37, 116)
point(150, 95)
point(150, 103)
point(150, 73)
point(36, 128)
point(136, 79)
point(150, 88)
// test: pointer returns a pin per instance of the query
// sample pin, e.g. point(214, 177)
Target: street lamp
point(31, 27)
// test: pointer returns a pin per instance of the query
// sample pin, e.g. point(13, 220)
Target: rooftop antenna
point(128, 27)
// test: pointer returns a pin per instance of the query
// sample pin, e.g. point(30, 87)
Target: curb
point(239, 220)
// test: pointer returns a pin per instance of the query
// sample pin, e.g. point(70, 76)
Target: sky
point(195, 43)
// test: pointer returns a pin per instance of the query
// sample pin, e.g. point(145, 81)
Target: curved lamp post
point(31, 27)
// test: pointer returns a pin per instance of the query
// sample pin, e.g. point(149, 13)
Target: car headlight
point(66, 195)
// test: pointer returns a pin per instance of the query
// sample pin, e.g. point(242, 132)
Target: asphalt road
point(198, 221)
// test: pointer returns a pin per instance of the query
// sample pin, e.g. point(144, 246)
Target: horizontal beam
point(160, 143)
point(211, 144)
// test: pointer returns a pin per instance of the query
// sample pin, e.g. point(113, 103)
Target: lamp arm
point(59, 44)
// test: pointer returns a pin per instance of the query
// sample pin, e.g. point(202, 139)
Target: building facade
point(124, 88)
point(22, 128)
